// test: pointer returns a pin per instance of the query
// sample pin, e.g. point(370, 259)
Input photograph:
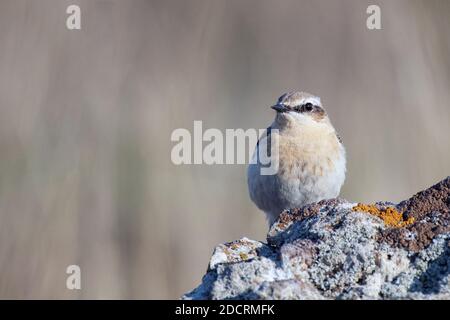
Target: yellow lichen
point(389, 215)
point(243, 256)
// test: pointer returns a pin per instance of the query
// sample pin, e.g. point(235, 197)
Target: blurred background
point(86, 117)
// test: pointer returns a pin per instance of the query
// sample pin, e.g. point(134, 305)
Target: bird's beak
point(280, 108)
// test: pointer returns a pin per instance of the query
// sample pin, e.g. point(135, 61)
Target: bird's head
point(300, 108)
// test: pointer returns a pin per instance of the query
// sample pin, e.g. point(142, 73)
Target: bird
point(310, 155)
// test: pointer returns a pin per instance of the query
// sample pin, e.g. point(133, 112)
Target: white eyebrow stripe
point(313, 100)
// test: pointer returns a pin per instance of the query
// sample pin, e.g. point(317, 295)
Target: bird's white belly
point(300, 185)
point(296, 184)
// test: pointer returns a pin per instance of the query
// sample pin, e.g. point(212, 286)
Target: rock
point(335, 249)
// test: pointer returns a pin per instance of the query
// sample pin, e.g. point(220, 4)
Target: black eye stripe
point(307, 107)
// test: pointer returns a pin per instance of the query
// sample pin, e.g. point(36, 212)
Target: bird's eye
point(308, 107)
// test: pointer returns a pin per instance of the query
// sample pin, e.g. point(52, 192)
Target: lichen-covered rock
point(334, 249)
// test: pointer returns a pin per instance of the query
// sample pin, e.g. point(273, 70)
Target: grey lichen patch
point(236, 251)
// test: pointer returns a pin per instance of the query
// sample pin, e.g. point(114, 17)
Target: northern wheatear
point(311, 157)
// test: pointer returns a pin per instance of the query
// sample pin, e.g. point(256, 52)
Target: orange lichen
point(243, 256)
point(389, 215)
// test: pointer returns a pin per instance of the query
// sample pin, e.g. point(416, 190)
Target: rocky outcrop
point(335, 249)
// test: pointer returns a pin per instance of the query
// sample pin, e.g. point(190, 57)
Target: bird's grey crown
point(297, 98)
